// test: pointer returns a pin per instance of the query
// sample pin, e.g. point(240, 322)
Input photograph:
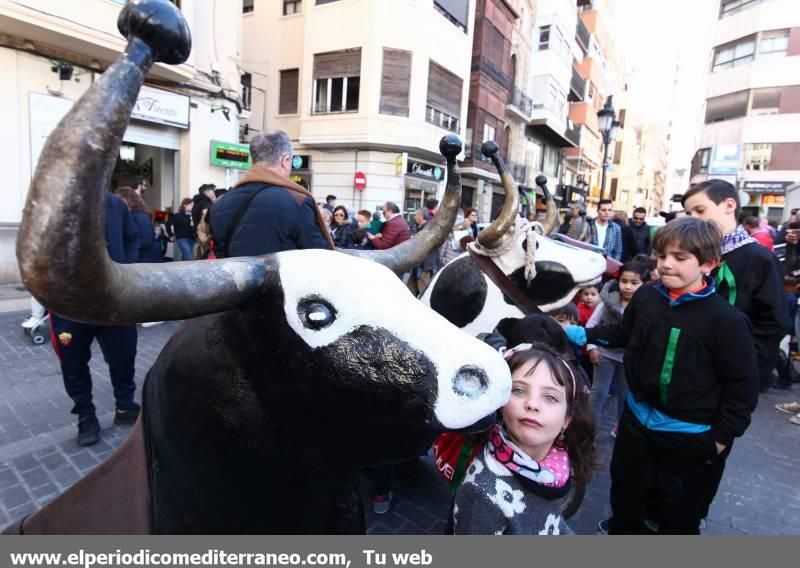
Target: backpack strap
point(237, 219)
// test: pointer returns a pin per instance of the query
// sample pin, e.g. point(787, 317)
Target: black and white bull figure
point(257, 415)
point(469, 299)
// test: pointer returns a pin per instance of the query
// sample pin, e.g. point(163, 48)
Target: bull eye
point(316, 313)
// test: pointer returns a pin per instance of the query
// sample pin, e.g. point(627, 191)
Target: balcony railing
point(491, 70)
point(583, 35)
point(577, 86)
point(519, 99)
point(573, 134)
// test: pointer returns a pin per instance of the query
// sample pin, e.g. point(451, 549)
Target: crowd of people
point(681, 340)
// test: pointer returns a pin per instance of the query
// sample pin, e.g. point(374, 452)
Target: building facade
point(751, 135)
point(52, 51)
point(357, 91)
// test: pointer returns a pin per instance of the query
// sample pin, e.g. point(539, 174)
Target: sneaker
point(602, 526)
point(88, 430)
point(126, 417)
point(788, 407)
point(381, 503)
point(151, 323)
point(32, 322)
point(795, 419)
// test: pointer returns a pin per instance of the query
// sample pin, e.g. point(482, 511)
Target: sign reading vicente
point(228, 155)
point(163, 107)
point(360, 181)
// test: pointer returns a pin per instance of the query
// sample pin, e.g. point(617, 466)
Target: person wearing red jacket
point(394, 231)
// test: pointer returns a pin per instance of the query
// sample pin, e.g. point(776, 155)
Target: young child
point(565, 315)
point(588, 299)
point(750, 277)
point(543, 443)
point(607, 362)
point(691, 369)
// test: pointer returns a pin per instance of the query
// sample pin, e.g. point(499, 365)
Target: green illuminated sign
point(227, 155)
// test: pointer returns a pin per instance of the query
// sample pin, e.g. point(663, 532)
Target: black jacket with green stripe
point(750, 279)
point(692, 358)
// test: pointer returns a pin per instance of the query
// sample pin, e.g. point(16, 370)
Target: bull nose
point(470, 382)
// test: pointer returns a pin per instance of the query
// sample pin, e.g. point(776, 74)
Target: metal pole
point(605, 165)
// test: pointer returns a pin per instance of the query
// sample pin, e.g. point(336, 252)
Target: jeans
point(608, 372)
point(185, 246)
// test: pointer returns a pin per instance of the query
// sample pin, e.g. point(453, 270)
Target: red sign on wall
point(360, 181)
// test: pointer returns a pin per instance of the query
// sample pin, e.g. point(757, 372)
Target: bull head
point(470, 300)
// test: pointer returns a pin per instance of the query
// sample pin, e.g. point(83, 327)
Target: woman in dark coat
point(149, 247)
point(341, 227)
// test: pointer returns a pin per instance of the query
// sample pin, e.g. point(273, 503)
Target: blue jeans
point(608, 372)
point(185, 246)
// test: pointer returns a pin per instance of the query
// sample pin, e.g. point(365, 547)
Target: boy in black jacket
point(691, 369)
point(750, 276)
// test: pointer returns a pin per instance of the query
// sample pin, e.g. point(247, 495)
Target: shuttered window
point(337, 81)
point(726, 107)
point(444, 98)
point(395, 82)
point(287, 103)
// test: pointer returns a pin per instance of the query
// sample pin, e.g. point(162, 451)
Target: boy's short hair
point(717, 191)
point(569, 310)
point(636, 268)
point(751, 222)
point(649, 262)
point(703, 239)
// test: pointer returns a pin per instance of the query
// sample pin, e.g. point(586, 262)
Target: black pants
point(767, 358)
point(72, 342)
point(685, 468)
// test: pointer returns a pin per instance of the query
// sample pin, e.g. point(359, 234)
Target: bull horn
point(405, 256)
point(61, 245)
point(551, 217)
point(493, 235)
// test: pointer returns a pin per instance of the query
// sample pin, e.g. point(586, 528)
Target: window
point(395, 82)
point(337, 81)
point(287, 97)
point(544, 38)
point(552, 157)
point(766, 101)
point(457, 11)
point(773, 43)
point(248, 6)
point(735, 53)
point(726, 107)
point(757, 156)
point(613, 193)
point(247, 90)
point(534, 154)
point(444, 98)
point(730, 7)
point(621, 119)
point(292, 7)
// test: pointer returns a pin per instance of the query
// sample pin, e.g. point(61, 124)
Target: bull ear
point(502, 227)
point(413, 252)
point(61, 245)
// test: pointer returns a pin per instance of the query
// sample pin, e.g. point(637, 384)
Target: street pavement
point(39, 459)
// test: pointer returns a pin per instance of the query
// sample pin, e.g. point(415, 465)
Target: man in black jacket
point(640, 230)
point(72, 340)
point(267, 212)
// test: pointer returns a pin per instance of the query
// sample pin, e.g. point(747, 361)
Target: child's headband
point(509, 353)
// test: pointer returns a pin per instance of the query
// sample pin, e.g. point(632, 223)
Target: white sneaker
point(151, 323)
point(32, 322)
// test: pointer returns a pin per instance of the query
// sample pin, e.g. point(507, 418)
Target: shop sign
point(766, 186)
point(725, 159)
point(163, 107)
point(423, 170)
point(228, 155)
point(773, 200)
point(301, 162)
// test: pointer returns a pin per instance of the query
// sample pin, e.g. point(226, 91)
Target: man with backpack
point(267, 212)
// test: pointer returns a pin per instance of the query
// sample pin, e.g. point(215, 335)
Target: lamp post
point(608, 125)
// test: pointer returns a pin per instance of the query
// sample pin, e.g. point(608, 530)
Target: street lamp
point(608, 125)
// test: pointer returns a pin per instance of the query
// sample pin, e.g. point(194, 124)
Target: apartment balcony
point(583, 35)
point(519, 104)
point(583, 113)
point(486, 67)
point(573, 133)
point(577, 87)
